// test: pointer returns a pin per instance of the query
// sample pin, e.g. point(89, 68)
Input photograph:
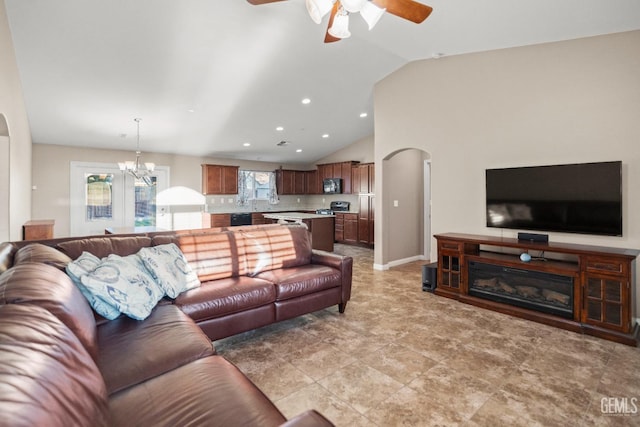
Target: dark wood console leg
point(342, 306)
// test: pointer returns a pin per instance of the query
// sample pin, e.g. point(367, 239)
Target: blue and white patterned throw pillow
point(124, 283)
point(82, 266)
point(168, 265)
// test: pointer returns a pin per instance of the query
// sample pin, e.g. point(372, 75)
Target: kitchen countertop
point(294, 216)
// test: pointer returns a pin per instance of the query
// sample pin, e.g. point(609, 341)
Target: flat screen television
point(575, 198)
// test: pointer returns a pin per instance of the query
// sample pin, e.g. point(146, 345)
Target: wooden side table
point(38, 229)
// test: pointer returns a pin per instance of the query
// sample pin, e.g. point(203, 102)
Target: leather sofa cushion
point(54, 291)
point(104, 246)
point(303, 280)
point(209, 391)
point(225, 296)
point(131, 352)
point(37, 252)
point(275, 247)
point(48, 378)
point(213, 255)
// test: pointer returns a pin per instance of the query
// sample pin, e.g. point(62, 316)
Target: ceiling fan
point(370, 10)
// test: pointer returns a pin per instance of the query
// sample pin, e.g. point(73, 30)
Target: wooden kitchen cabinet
point(312, 186)
point(219, 179)
point(257, 218)
point(216, 220)
point(365, 219)
point(346, 227)
point(350, 228)
point(340, 170)
point(289, 181)
point(363, 178)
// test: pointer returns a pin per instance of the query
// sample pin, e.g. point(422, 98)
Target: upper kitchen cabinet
point(311, 182)
point(363, 178)
point(291, 181)
point(219, 179)
point(340, 170)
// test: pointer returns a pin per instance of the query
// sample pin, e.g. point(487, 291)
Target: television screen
point(576, 198)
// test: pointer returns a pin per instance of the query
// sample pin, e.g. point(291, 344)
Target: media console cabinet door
point(449, 266)
point(607, 295)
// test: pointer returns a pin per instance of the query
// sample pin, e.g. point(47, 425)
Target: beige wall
point(16, 192)
point(402, 177)
point(566, 102)
point(51, 174)
point(359, 151)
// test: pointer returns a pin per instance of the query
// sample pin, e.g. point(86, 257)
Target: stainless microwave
point(332, 185)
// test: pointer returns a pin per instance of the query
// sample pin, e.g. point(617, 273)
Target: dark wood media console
point(596, 293)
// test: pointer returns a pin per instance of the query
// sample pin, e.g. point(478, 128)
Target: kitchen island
point(321, 227)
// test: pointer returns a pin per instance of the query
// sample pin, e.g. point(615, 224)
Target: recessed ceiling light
point(306, 101)
point(246, 144)
point(326, 135)
point(299, 150)
point(279, 128)
point(363, 115)
point(191, 110)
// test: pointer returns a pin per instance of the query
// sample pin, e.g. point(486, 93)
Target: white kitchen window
point(255, 185)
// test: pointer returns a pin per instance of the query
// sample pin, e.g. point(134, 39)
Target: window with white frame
point(256, 184)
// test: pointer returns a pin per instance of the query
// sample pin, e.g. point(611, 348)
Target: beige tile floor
point(399, 356)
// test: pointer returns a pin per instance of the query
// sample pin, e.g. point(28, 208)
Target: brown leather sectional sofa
point(61, 364)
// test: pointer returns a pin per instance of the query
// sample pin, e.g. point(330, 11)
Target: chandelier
point(340, 28)
point(140, 171)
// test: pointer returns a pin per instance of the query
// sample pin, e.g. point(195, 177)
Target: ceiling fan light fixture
point(318, 9)
point(371, 14)
point(340, 27)
point(353, 6)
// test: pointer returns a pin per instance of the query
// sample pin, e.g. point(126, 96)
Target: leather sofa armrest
point(329, 259)
point(340, 262)
point(7, 251)
point(310, 418)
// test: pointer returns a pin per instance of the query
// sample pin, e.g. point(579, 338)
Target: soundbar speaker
point(534, 237)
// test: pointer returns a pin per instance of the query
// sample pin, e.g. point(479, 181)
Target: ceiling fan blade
point(407, 9)
point(328, 38)
point(258, 2)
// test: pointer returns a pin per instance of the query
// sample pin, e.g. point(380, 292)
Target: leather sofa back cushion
point(48, 379)
point(212, 256)
point(37, 252)
point(275, 247)
point(104, 246)
point(53, 290)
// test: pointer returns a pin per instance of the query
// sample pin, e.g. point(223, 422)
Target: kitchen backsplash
point(227, 203)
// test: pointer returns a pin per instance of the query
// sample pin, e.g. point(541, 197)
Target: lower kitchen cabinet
point(346, 228)
point(210, 220)
point(365, 219)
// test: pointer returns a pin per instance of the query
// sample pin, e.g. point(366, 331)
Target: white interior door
point(102, 196)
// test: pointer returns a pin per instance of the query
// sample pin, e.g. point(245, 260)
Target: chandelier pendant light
point(137, 169)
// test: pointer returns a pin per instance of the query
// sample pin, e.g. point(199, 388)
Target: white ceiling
point(89, 67)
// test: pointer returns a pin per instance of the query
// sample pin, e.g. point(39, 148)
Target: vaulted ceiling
point(208, 77)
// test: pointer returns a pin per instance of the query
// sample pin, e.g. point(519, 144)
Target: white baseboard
point(398, 262)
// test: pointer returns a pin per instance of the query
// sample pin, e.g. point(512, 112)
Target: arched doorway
point(405, 225)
